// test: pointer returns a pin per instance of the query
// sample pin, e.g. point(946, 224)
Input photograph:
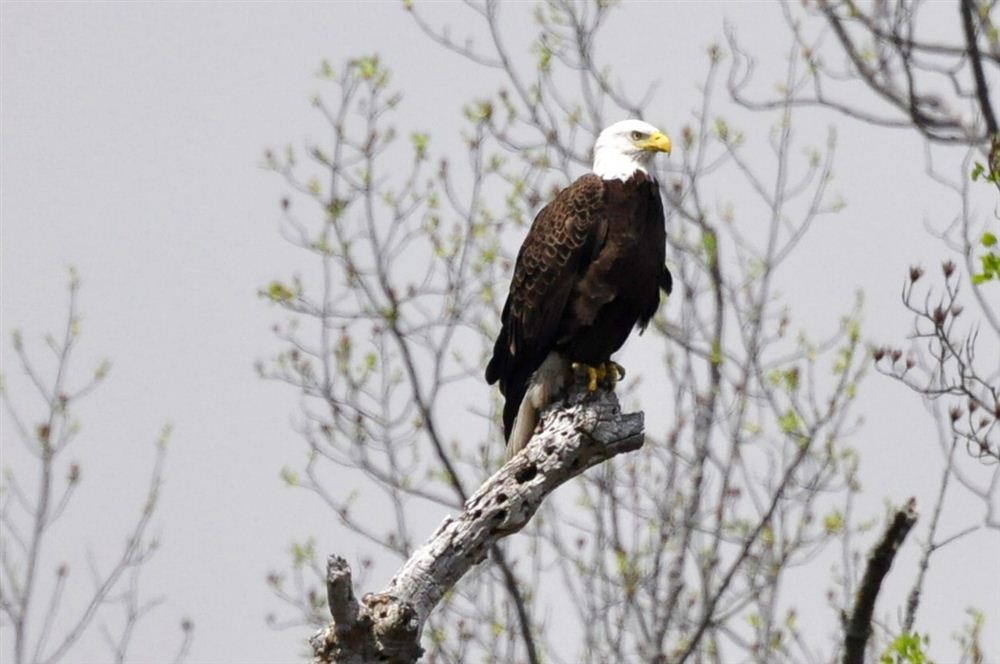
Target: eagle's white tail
point(547, 382)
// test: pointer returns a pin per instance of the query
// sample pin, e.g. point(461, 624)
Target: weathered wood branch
point(385, 627)
point(858, 627)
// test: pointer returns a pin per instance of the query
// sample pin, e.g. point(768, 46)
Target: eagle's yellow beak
point(657, 142)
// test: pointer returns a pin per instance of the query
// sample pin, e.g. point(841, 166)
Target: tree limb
point(859, 626)
point(982, 90)
point(386, 626)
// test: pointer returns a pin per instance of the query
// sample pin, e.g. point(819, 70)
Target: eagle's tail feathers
point(544, 386)
point(666, 281)
point(497, 365)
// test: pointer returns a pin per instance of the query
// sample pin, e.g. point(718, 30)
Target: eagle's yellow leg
point(594, 374)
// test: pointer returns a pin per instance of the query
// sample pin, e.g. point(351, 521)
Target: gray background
point(131, 141)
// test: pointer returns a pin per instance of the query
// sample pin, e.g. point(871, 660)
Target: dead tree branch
point(386, 626)
point(858, 626)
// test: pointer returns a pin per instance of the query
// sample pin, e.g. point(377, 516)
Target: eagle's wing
point(564, 238)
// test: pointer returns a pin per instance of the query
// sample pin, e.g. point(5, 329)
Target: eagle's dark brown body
point(590, 270)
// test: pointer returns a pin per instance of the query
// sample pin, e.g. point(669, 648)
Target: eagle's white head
point(626, 147)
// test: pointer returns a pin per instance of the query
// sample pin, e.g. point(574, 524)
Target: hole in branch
point(526, 473)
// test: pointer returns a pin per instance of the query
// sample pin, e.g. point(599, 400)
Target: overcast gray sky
point(131, 143)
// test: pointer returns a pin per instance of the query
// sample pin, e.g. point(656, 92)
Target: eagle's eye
point(636, 135)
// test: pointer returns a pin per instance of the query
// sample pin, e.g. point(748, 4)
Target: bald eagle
point(589, 270)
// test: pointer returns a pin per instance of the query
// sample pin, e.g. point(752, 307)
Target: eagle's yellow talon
point(615, 372)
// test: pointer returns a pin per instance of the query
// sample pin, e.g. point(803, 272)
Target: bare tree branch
point(387, 625)
point(859, 626)
point(982, 90)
